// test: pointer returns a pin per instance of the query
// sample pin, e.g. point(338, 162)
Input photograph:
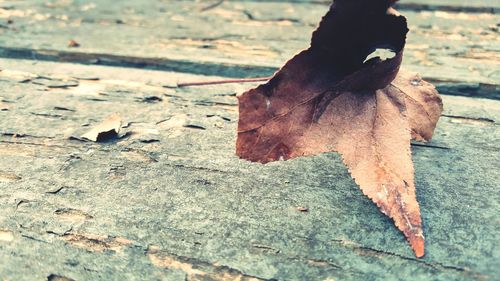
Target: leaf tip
point(418, 245)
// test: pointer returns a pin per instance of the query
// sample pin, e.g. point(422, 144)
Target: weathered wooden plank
point(170, 200)
point(236, 39)
point(488, 6)
point(477, 6)
point(456, 3)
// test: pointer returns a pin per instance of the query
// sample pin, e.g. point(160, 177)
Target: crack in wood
point(255, 73)
point(471, 120)
point(365, 250)
point(430, 146)
point(33, 238)
point(203, 68)
point(39, 144)
point(56, 277)
point(196, 269)
point(70, 214)
point(94, 242)
point(56, 191)
point(197, 168)
point(21, 135)
point(212, 6)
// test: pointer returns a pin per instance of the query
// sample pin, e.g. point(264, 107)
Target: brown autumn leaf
point(331, 98)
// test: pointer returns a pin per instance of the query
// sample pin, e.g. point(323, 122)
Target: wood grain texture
point(171, 200)
point(237, 39)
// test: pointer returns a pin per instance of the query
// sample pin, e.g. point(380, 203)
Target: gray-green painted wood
point(171, 201)
point(236, 39)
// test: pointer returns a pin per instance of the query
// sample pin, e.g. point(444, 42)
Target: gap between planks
point(240, 73)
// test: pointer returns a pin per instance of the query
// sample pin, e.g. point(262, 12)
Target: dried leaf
point(106, 130)
point(331, 98)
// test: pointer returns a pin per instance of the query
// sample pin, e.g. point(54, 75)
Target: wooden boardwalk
point(169, 200)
